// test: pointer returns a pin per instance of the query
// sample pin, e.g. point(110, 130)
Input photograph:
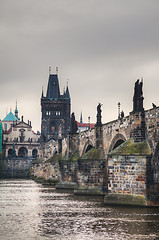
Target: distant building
point(55, 110)
point(84, 126)
point(20, 136)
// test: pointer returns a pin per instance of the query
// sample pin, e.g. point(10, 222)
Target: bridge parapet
point(116, 132)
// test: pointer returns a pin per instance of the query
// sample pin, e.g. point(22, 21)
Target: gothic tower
point(55, 110)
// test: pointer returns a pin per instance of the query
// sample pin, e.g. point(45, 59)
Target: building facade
point(18, 137)
point(55, 109)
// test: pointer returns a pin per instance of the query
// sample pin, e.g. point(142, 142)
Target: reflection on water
point(29, 210)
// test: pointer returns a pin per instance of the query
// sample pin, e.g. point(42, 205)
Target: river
point(29, 210)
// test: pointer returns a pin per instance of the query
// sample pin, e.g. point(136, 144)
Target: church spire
point(81, 119)
point(16, 111)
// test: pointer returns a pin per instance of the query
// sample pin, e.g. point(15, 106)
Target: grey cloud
point(102, 46)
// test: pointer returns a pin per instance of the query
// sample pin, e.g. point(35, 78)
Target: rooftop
point(10, 118)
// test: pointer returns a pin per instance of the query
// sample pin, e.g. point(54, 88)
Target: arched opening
point(89, 148)
point(22, 152)
point(10, 151)
point(35, 153)
point(118, 143)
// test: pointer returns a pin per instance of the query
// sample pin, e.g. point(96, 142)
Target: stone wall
point(84, 174)
point(15, 168)
point(137, 126)
point(46, 171)
point(68, 170)
point(127, 174)
point(91, 176)
point(131, 175)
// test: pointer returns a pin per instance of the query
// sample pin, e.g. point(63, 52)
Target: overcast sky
point(101, 46)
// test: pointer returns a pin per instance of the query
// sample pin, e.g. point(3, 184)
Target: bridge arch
point(88, 146)
point(117, 140)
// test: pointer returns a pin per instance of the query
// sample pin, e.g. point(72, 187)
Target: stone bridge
point(114, 133)
point(118, 159)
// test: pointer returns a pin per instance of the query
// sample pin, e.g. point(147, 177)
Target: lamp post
point(89, 121)
point(119, 110)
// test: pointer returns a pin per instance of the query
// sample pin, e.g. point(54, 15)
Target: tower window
point(5, 126)
point(48, 113)
point(58, 113)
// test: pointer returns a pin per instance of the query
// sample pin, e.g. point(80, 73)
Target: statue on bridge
point(138, 97)
point(73, 127)
point(13, 154)
point(99, 116)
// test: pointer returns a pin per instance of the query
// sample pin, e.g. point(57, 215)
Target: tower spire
point(67, 91)
point(81, 119)
point(16, 110)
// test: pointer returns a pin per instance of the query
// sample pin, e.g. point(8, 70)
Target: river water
point(29, 210)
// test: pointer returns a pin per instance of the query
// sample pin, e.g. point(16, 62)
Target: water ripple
point(29, 210)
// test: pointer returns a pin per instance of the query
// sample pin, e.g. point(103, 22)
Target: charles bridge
point(119, 159)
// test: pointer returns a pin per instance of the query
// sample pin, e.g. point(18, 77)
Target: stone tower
point(137, 116)
point(55, 110)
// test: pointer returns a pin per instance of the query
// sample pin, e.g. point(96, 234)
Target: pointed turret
point(42, 94)
point(81, 119)
point(67, 93)
point(16, 111)
point(53, 90)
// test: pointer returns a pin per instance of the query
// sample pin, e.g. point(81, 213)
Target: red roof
point(8, 131)
point(91, 125)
